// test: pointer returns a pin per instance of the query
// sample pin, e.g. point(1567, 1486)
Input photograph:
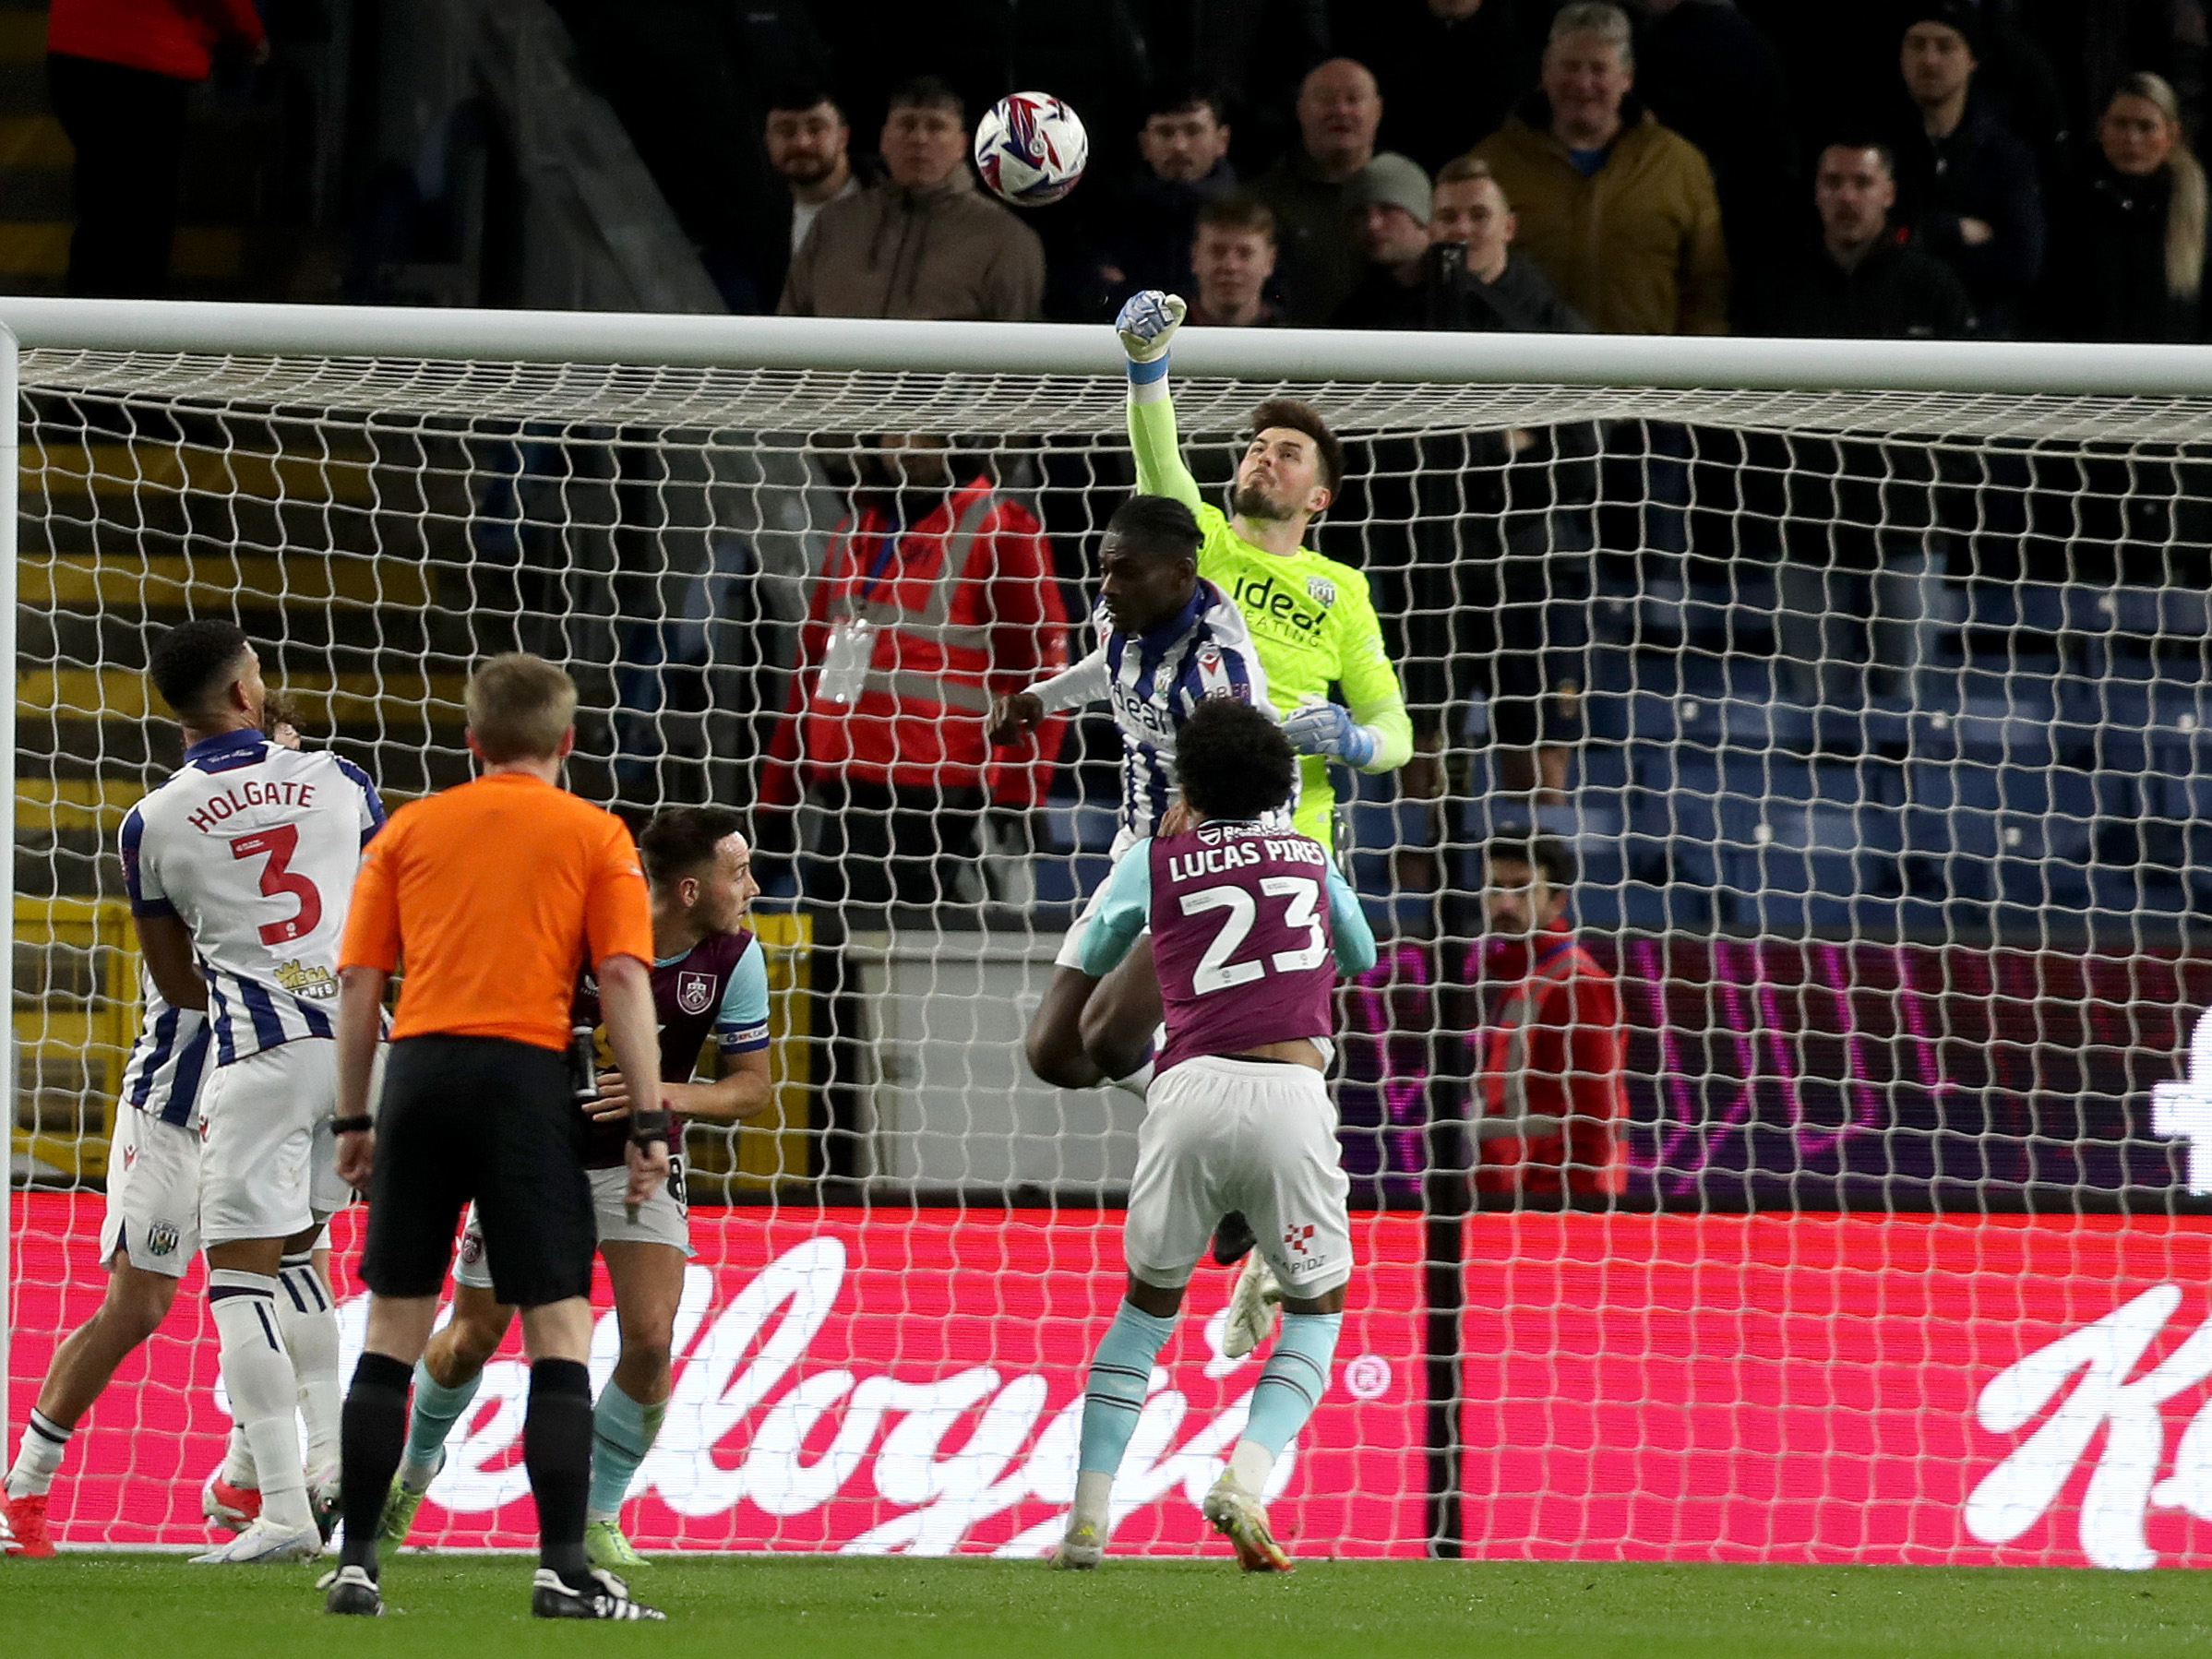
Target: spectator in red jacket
point(119, 72)
point(1549, 1106)
point(936, 597)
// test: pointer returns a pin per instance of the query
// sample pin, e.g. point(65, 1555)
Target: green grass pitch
point(143, 1607)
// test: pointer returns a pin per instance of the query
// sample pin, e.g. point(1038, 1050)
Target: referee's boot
point(599, 1595)
point(352, 1590)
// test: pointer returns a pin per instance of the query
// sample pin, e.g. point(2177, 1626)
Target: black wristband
point(645, 1127)
point(353, 1125)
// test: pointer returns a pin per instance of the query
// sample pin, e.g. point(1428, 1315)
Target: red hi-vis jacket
point(1550, 1045)
point(176, 38)
point(966, 608)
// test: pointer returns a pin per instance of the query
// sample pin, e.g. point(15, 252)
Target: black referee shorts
point(491, 1120)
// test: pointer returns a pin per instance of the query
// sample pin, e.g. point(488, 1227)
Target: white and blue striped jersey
point(1153, 681)
point(168, 1062)
point(255, 848)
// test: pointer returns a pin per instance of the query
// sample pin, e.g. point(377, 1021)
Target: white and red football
point(1031, 149)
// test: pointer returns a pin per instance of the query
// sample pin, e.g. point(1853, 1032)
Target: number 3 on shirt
point(279, 879)
point(1215, 972)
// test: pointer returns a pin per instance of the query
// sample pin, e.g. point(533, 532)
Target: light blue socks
point(622, 1433)
point(1290, 1386)
point(431, 1418)
point(1114, 1397)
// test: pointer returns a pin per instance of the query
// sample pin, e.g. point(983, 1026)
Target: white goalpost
point(1869, 685)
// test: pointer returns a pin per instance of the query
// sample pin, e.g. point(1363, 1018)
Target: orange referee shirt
point(495, 895)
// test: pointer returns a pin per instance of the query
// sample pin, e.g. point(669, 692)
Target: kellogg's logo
point(2091, 1369)
point(918, 1462)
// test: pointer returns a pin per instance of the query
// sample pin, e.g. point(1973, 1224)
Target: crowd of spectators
point(1671, 166)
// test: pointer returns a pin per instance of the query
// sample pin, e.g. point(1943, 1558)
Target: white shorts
point(153, 1194)
point(664, 1219)
point(1253, 1136)
point(269, 1168)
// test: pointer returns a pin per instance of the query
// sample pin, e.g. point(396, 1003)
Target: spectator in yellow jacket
point(1617, 208)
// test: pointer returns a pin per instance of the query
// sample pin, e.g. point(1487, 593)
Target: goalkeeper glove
point(1315, 727)
point(1146, 324)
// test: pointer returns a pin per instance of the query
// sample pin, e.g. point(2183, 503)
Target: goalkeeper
point(1313, 628)
point(1311, 617)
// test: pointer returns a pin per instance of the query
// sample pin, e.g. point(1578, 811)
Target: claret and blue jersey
point(255, 848)
point(1250, 926)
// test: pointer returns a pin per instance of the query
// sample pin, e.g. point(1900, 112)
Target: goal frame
point(1660, 363)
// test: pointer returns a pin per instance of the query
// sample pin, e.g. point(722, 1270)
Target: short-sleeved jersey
point(1249, 927)
point(494, 896)
point(1153, 681)
point(254, 848)
point(718, 990)
point(168, 1060)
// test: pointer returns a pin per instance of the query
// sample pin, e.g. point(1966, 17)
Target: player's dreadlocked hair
point(192, 661)
point(680, 839)
point(1233, 761)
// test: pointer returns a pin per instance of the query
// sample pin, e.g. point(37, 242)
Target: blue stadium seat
point(1801, 869)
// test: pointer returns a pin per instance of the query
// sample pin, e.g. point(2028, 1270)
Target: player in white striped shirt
point(240, 867)
point(1167, 641)
point(148, 1239)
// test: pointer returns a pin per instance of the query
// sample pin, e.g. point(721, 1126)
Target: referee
point(496, 896)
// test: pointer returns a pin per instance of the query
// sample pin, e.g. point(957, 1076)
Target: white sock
point(1093, 1496)
point(309, 1327)
point(238, 1463)
point(1137, 1082)
point(1250, 1464)
point(256, 1372)
point(37, 1457)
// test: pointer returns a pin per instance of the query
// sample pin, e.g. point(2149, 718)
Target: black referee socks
point(371, 1433)
point(556, 1449)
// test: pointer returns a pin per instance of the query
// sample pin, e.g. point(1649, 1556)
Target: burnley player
point(1167, 641)
point(709, 981)
point(1250, 926)
point(239, 868)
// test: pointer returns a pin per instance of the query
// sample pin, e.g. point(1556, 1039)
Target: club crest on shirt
point(1321, 589)
point(163, 1238)
point(694, 992)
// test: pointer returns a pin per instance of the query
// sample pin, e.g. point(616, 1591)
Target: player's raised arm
point(1146, 325)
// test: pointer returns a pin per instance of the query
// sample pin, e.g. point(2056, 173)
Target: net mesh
point(1877, 723)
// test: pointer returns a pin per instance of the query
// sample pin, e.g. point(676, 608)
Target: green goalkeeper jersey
point(1312, 618)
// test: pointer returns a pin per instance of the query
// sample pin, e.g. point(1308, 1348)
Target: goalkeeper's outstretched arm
point(1146, 324)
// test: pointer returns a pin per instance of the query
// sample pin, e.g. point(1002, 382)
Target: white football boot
point(1241, 1517)
point(264, 1543)
point(1252, 1307)
point(1080, 1551)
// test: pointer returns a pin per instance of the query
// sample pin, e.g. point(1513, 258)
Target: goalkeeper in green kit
point(1313, 626)
point(1311, 617)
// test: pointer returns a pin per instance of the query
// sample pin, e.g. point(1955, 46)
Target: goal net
point(1875, 722)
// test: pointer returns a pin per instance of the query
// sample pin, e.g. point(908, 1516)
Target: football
point(1030, 149)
